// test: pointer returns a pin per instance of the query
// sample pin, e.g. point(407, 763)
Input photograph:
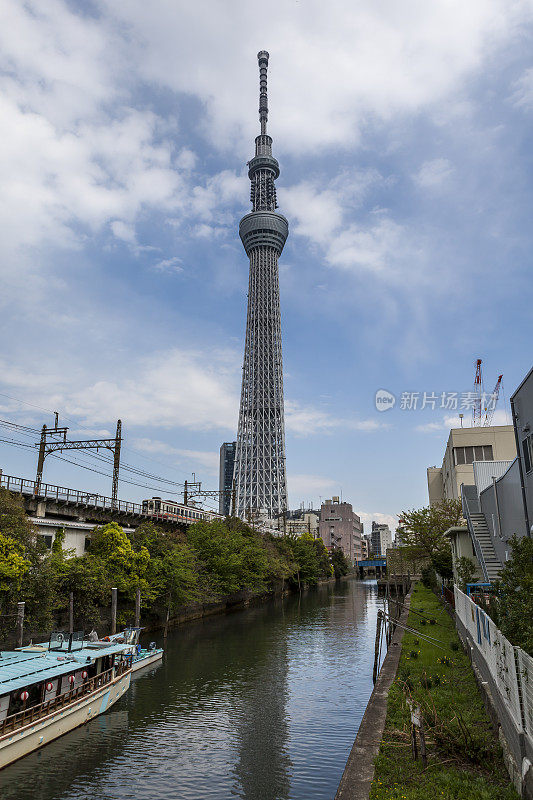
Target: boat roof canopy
point(21, 668)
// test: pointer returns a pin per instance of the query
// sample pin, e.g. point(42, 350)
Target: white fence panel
point(525, 674)
point(496, 650)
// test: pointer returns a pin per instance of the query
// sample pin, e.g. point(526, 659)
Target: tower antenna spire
point(262, 58)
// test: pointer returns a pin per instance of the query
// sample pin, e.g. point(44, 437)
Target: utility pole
point(185, 496)
point(40, 461)
point(116, 464)
point(49, 444)
point(233, 499)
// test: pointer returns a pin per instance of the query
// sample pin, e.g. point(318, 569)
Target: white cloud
point(305, 420)
point(170, 389)
point(522, 95)
point(305, 486)
point(169, 265)
point(376, 516)
point(208, 461)
point(334, 67)
point(501, 417)
point(434, 173)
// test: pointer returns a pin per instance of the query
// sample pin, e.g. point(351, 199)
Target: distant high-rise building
point(225, 483)
point(381, 539)
point(260, 479)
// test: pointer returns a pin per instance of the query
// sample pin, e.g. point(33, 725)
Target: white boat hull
point(144, 662)
point(30, 737)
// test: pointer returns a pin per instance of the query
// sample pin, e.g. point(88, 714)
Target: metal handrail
point(53, 492)
point(29, 715)
point(477, 547)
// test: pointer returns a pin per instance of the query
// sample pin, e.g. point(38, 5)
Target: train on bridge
point(170, 510)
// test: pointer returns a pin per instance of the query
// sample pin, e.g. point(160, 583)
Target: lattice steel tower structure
point(259, 475)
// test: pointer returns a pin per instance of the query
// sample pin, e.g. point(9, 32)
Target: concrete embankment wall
point(241, 600)
point(359, 771)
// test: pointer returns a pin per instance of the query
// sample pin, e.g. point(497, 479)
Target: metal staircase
point(479, 530)
point(480, 534)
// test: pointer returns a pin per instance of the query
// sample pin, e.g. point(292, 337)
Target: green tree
point(128, 567)
point(465, 569)
point(231, 556)
point(441, 561)
point(422, 530)
point(340, 563)
point(515, 594)
point(13, 565)
point(172, 573)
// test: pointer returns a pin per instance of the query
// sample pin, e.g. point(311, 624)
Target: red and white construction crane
point(491, 402)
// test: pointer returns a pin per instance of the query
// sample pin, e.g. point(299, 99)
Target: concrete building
point(303, 522)
point(499, 504)
point(340, 527)
point(466, 445)
point(77, 534)
point(381, 539)
point(225, 480)
point(365, 551)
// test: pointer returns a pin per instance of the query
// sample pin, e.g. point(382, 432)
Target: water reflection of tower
point(263, 766)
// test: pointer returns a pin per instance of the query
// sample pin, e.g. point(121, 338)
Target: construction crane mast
point(478, 389)
point(490, 405)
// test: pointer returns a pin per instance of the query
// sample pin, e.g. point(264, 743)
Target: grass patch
point(464, 758)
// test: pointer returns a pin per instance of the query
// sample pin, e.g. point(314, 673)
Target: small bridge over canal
point(372, 568)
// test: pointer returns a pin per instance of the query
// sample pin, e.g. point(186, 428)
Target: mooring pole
point(71, 613)
point(137, 608)
point(113, 610)
point(165, 632)
point(20, 623)
point(376, 646)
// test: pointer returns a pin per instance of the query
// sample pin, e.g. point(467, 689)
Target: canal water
point(261, 704)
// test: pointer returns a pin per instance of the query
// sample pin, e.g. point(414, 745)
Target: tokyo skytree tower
point(259, 474)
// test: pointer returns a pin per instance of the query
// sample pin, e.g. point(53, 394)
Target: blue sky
point(403, 133)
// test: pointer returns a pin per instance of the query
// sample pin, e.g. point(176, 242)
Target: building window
point(467, 455)
point(47, 539)
point(87, 543)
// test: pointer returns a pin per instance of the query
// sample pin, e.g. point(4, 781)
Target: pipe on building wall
point(496, 503)
point(520, 467)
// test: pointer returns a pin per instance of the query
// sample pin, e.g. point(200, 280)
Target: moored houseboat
point(142, 656)
point(46, 691)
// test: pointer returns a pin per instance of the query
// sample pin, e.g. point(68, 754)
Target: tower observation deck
point(259, 475)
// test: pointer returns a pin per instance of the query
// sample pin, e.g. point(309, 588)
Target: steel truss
point(260, 479)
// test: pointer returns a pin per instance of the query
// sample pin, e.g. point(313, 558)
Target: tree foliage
point(422, 530)
point(465, 569)
point(171, 569)
point(515, 595)
point(339, 563)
